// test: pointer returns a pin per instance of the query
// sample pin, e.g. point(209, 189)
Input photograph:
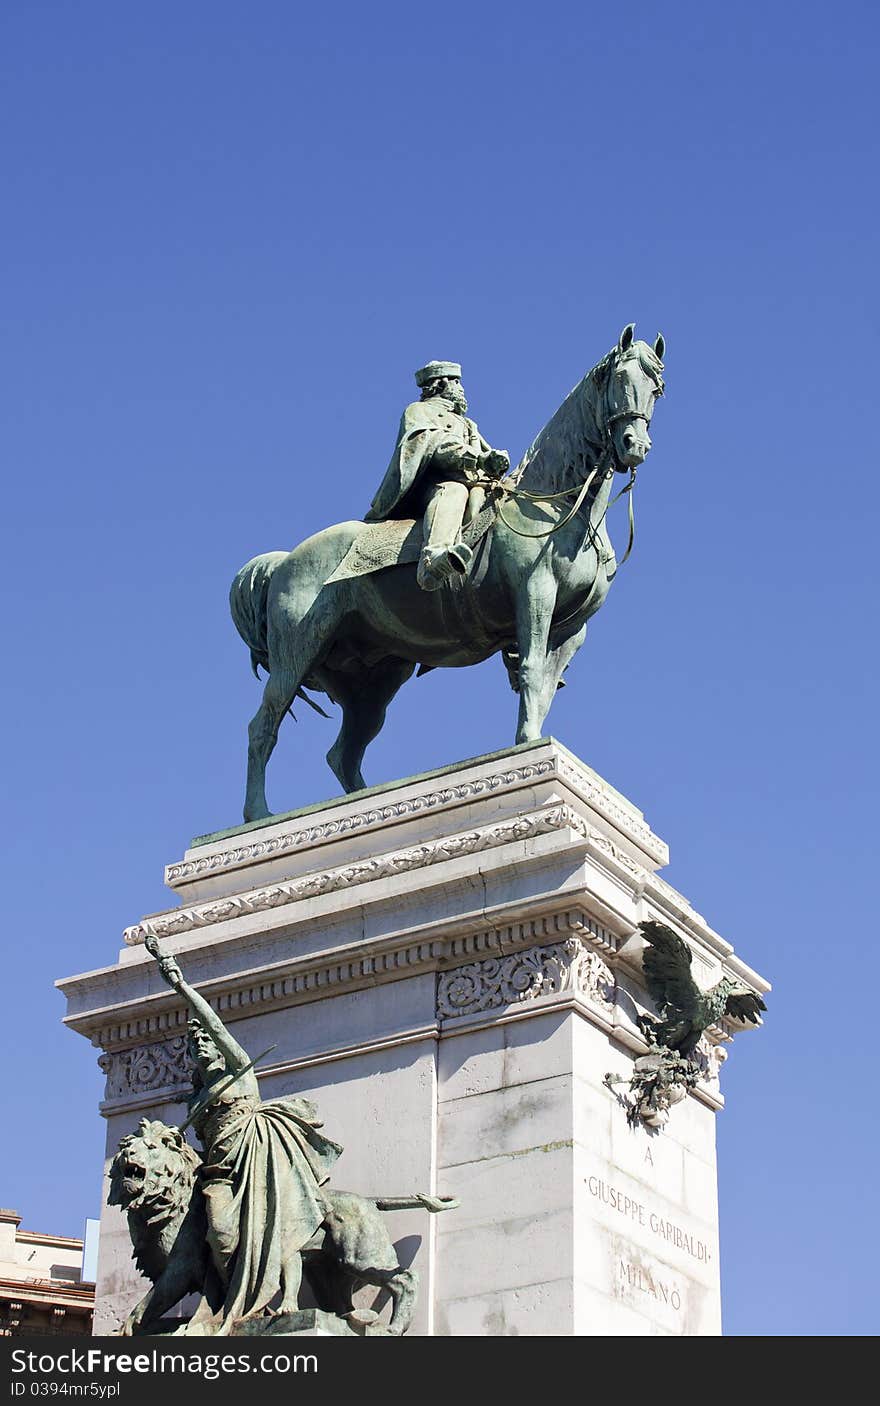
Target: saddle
point(398, 542)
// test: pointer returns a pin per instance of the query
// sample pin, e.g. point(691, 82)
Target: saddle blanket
point(396, 542)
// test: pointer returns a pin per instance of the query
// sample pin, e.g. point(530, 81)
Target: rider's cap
point(435, 369)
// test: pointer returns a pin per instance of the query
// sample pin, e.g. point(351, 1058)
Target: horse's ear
point(660, 346)
point(624, 341)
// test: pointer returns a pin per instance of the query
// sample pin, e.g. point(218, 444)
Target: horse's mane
point(569, 444)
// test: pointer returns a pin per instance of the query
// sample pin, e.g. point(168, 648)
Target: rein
point(581, 492)
point(515, 492)
point(605, 464)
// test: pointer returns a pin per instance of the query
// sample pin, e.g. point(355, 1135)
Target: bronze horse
point(543, 569)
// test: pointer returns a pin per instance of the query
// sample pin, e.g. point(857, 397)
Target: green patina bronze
point(457, 561)
point(240, 1225)
point(671, 1066)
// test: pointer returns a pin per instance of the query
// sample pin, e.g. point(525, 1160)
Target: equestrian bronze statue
point(457, 560)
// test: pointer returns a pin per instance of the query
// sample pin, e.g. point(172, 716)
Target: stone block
point(511, 1120)
point(528, 1183)
point(532, 1311)
point(500, 1056)
point(506, 1253)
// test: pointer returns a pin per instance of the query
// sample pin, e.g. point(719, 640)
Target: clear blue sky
point(230, 234)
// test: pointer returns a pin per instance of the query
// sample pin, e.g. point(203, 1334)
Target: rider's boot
point(443, 557)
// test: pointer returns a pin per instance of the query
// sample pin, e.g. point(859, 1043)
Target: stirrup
point(432, 571)
point(441, 566)
point(460, 556)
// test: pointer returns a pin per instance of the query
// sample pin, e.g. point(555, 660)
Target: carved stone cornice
point(414, 857)
point(356, 823)
point(311, 978)
point(603, 799)
point(159, 1070)
point(515, 964)
point(511, 972)
point(513, 936)
point(297, 833)
point(523, 976)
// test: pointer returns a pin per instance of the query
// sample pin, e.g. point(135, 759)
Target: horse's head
point(632, 384)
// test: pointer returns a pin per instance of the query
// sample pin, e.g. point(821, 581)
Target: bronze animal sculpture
point(684, 1010)
point(258, 1215)
point(663, 1076)
point(154, 1179)
point(536, 577)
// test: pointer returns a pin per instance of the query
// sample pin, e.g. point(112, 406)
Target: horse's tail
point(247, 601)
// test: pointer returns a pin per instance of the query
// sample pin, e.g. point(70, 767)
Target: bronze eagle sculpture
point(684, 1010)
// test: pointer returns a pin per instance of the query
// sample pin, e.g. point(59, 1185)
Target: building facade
point(41, 1285)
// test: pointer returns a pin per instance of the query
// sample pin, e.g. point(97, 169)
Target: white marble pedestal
point(449, 965)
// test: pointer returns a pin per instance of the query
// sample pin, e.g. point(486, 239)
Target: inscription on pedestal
point(637, 1277)
point(631, 1209)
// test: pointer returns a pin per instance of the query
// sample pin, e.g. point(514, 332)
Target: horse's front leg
point(533, 617)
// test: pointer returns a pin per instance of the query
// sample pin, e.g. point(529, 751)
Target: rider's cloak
point(425, 427)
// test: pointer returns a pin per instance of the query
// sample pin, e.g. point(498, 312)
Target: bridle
point(607, 464)
point(611, 418)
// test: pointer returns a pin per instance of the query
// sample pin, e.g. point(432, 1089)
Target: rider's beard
point(457, 396)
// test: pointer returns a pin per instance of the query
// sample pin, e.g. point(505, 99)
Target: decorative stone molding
point(121, 1099)
point(311, 978)
point(342, 826)
point(524, 827)
point(675, 901)
point(529, 933)
point(603, 800)
point(522, 976)
point(162, 1064)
